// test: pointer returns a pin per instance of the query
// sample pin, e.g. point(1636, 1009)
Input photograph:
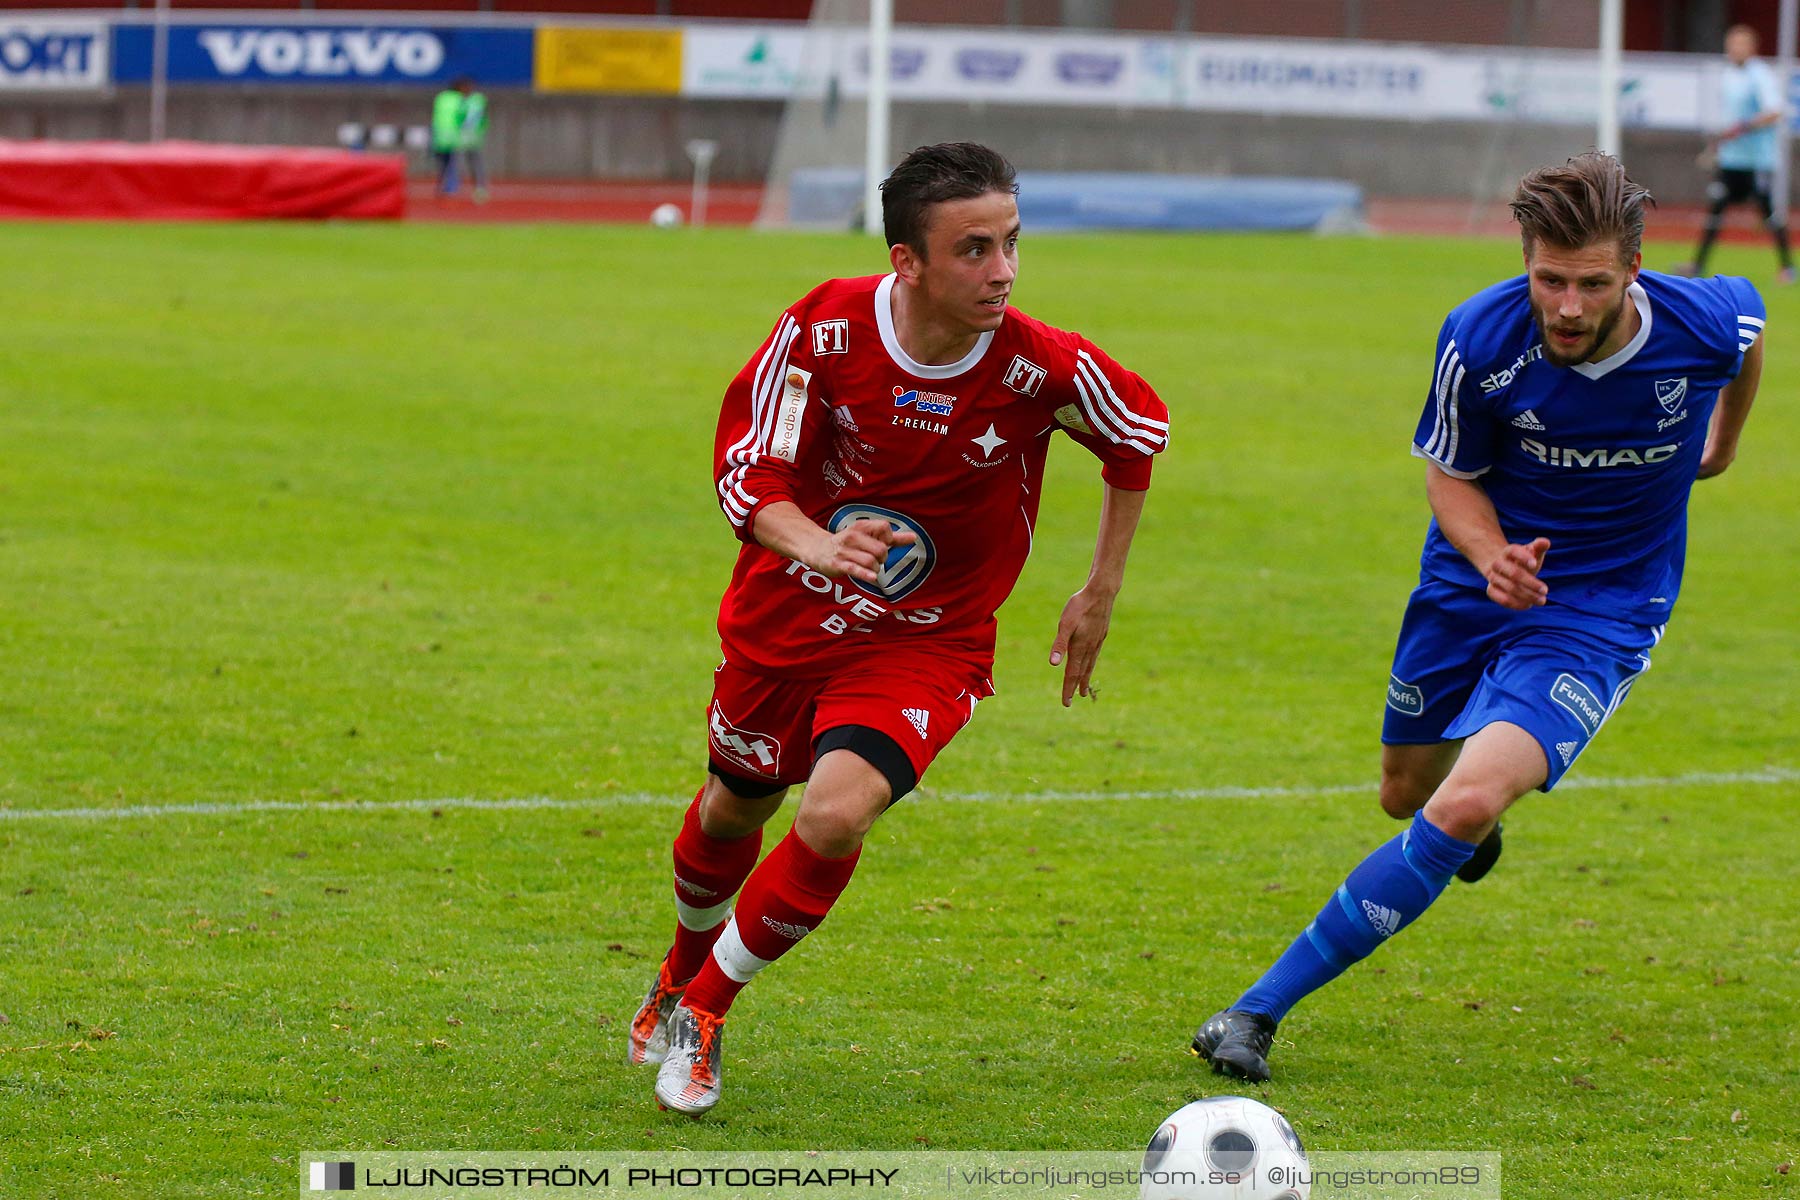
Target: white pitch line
point(1768, 775)
point(1644, 783)
point(353, 806)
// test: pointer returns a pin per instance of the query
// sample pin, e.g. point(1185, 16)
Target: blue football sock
point(1384, 895)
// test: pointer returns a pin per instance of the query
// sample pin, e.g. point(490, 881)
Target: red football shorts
point(764, 726)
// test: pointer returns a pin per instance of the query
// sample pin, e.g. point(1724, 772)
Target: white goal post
point(875, 162)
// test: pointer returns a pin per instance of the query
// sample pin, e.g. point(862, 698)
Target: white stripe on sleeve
point(1455, 417)
point(1111, 416)
point(1091, 409)
point(1440, 432)
point(766, 383)
point(748, 449)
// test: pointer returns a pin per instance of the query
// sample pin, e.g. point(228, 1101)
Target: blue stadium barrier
point(1074, 200)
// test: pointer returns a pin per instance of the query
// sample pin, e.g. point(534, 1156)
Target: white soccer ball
point(666, 216)
point(1225, 1148)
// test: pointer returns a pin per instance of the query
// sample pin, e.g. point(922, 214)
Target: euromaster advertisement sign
point(635, 61)
point(53, 55)
point(1366, 79)
point(334, 54)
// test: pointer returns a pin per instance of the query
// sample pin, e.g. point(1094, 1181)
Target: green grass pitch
point(311, 516)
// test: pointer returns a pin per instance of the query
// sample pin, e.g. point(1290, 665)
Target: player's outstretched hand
point(1085, 619)
point(1513, 576)
point(859, 549)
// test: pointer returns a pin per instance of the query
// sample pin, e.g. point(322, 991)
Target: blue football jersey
point(1598, 457)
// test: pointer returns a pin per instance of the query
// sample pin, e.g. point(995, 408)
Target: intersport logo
point(27, 52)
point(324, 53)
point(52, 54)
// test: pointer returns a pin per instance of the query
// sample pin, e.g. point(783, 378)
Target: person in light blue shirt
point(1744, 151)
point(1570, 411)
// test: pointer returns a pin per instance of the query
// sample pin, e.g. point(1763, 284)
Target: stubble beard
point(1604, 331)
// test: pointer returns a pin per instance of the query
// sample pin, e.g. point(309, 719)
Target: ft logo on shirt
point(1024, 376)
point(830, 337)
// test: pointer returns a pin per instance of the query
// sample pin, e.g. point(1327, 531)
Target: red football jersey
point(834, 416)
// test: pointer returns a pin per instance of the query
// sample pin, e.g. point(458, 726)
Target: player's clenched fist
point(1513, 576)
point(858, 549)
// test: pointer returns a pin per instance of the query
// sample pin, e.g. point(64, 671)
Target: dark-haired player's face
point(971, 260)
point(1578, 298)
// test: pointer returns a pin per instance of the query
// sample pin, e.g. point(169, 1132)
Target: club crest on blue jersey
point(926, 402)
point(906, 567)
point(1671, 392)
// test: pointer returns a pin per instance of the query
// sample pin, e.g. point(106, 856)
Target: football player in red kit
point(880, 457)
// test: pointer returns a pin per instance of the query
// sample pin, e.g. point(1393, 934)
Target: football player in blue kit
point(1570, 411)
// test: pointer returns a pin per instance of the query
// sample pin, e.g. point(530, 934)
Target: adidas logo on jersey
point(1528, 420)
point(1567, 750)
point(1385, 920)
point(693, 889)
point(792, 932)
point(919, 718)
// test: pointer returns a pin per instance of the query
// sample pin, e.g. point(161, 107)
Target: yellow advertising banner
point(644, 61)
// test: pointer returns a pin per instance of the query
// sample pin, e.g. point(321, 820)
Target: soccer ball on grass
point(1225, 1148)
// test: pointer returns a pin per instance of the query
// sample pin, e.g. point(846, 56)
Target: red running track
point(737, 203)
point(580, 201)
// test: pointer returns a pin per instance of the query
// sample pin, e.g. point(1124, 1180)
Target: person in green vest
point(474, 138)
point(447, 130)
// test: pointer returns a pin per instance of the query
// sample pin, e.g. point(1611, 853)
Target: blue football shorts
point(1463, 662)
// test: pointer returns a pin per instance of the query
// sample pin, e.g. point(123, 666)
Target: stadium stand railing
point(1467, 22)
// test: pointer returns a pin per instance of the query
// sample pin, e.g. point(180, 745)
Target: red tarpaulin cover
point(196, 180)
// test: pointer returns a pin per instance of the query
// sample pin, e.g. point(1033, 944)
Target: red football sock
point(708, 872)
point(784, 900)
